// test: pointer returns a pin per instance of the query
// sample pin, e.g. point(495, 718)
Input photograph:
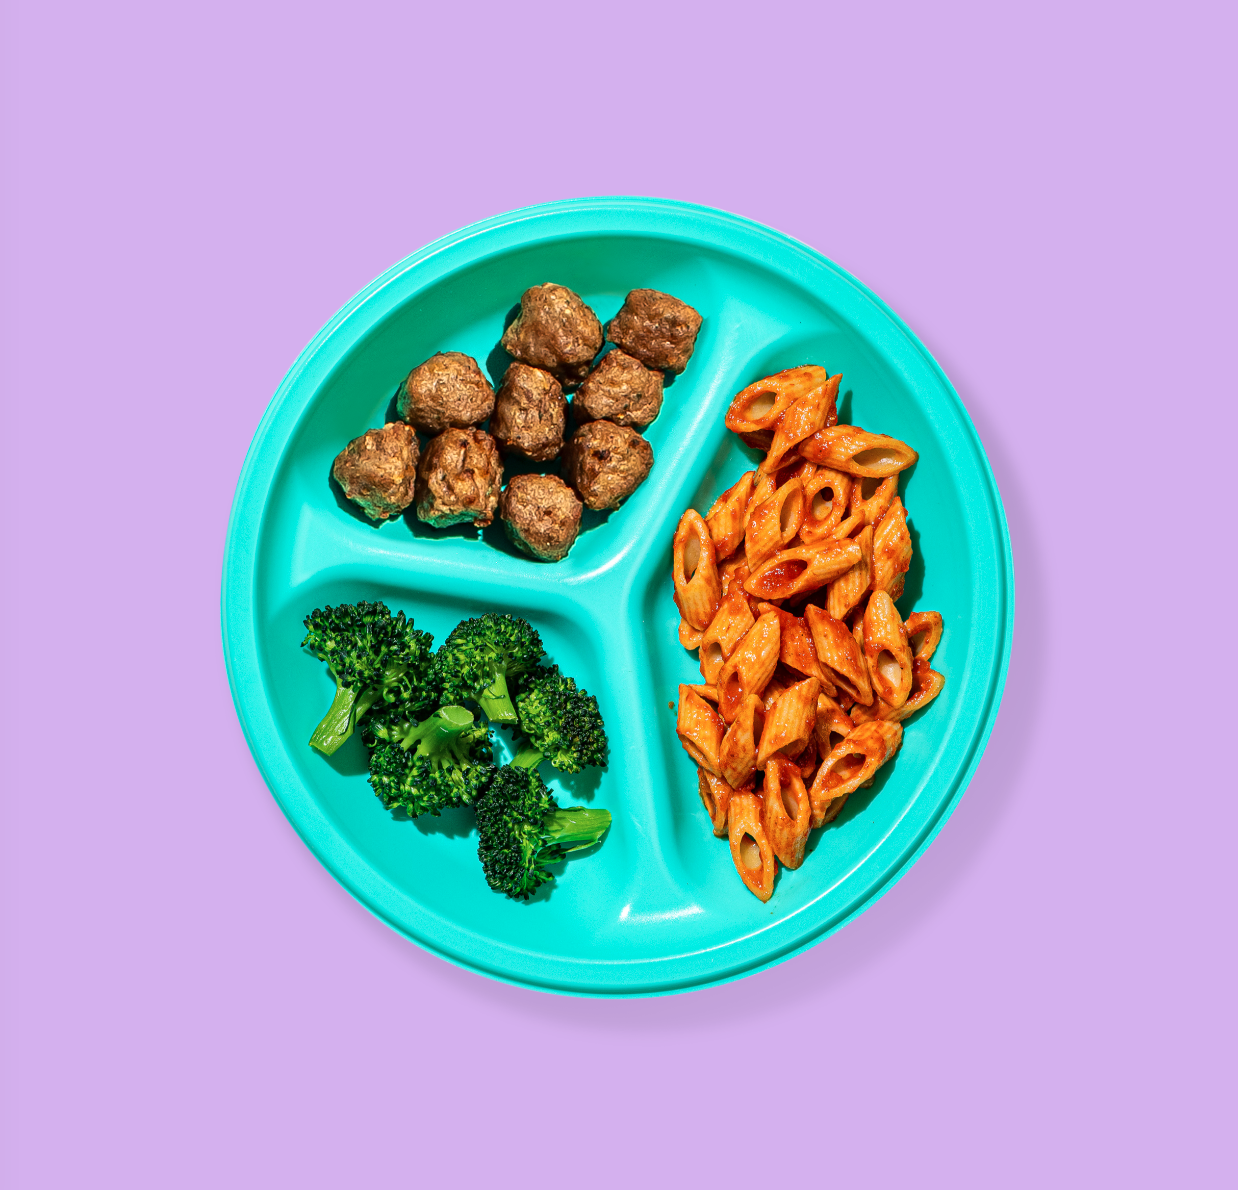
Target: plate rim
point(238, 580)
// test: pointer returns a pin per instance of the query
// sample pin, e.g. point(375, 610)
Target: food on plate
point(606, 463)
point(787, 587)
point(374, 657)
point(446, 390)
point(657, 329)
point(443, 761)
point(620, 389)
point(458, 479)
point(478, 657)
point(541, 515)
point(521, 830)
point(560, 721)
point(529, 414)
point(377, 471)
point(556, 331)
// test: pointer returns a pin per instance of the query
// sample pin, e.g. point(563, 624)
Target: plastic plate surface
point(658, 907)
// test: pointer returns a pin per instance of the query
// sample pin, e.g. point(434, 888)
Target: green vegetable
point(561, 721)
point(446, 760)
point(477, 659)
point(374, 657)
point(522, 830)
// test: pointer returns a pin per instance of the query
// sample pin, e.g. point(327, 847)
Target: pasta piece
point(850, 765)
point(923, 634)
point(751, 852)
point(891, 550)
point(759, 406)
point(699, 729)
point(773, 523)
point(825, 503)
point(716, 797)
point(698, 590)
point(759, 439)
point(689, 637)
point(801, 420)
point(707, 692)
point(787, 811)
point(846, 591)
point(807, 761)
point(737, 754)
point(774, 689)
point(726, 518)
point(748, 668)
point(857, 452)
point(795, 648)
point(848, 527)
point(791, 573)
point(838, 650)
point(871, 497)
point(926, 685)
point(833, 725)
point(886, 651)
point(732, 620)
point(789, 722)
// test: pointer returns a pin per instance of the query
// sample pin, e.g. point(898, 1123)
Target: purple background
point(1046, 196)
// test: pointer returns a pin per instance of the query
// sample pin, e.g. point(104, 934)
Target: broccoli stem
point(497, 702)
point(440, 733)
point(527, 758)
point(575, 829)
point(347, 708)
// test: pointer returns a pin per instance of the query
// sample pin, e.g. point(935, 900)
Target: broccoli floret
point(476, 660)
point(373, 657)
point(561, 721)
point(444, 761)
point(522, 830)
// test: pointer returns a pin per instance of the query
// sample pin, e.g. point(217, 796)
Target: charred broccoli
point(522, 830)
point(443, 761)
point(373, 657)
point(561, 721)
point(478, 657)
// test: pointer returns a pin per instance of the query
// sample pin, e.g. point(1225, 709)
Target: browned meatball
point(377, 470)
point(447, 390)
point(541, 515)
point(554, 330)
point(529, 414)
point(606, 463)
point(658, 329)
point(620, 389)
point(459, 479)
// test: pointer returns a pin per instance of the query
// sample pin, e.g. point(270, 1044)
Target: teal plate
point(658, 907)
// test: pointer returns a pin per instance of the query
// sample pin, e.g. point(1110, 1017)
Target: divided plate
point(658, 907)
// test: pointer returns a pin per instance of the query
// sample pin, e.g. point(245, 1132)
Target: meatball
point(656, 328)
point(541, 515)
point(606, 463)
point(377, 470)
point(529, 414)
point(620, 389)
point(447, 390)
point(459, 479)
point(555, 330)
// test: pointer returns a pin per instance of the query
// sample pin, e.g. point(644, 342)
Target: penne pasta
point(731, 621)
point(926, 685)
point(871, 497)
point(850, 765)
point(716, 797)
point(737, 754)
point(857, 452)
point(699, 729)
point(689, 637)
point(846, 591)
point(787, 811)
point(826, 494)
point(751, 852)
point(749, 667)
point(838, 650)
point(803, 418)
point(807, 760)
point(707, 692)
point(795, 647)
point(891, 551)
point(789, 721)
point(886, 652)
point(727, 516)
point(923, 634)
point(759, 406)
point(794, 572)
point(773, 523)
point(698, 589)
point(833, 725)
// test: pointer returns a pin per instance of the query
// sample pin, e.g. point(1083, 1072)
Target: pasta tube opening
point(787, 810)
point(751, 852)
point(698, 589)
